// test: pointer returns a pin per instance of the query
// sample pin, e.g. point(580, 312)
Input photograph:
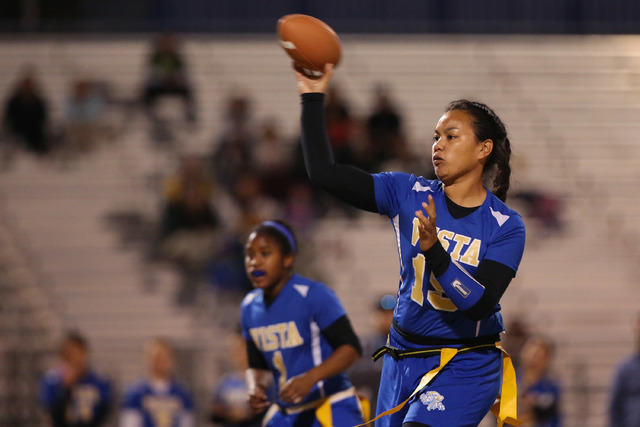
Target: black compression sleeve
point(340, 333)
point(437, 258)
point(492, 275)
point(495, 277)
point(256, 360)
point(351, 185)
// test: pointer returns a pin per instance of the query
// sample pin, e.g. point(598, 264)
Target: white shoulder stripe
point(501, 218)
point(302, 289)
point(249, 298)
point(421, 188)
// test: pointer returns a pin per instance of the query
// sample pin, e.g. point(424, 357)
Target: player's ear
point(486, 147)
point(288, 261)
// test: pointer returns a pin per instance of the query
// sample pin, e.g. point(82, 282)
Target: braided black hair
point(487, 125)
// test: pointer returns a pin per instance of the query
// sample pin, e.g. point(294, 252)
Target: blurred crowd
point(207, 205)
point(250, 172)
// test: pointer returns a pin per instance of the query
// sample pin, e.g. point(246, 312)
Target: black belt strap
point(398, 354)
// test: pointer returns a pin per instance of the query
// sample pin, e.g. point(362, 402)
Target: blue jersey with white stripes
point(493, 231)
point(154, 406)
point(91, 394)
point(288, 332)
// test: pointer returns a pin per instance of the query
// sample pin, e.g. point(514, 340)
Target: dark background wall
point(359, 16)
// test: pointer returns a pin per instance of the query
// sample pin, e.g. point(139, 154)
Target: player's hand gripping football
point(297, 388)
point(309, 85)
point(427, 225)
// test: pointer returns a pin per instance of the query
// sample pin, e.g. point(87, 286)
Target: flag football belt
point(336, 397)
point(323, 406)
point(505, 407)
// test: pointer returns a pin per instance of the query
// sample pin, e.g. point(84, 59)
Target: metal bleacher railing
point(30, 321)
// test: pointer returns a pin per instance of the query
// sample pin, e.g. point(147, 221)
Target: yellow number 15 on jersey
point(436, 297)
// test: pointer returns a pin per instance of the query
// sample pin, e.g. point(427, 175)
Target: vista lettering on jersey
point(86, 397)
point(162, 409)
point(276, 336)
point(470, 246)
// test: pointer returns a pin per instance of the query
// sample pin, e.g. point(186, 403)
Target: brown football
point(309, 42)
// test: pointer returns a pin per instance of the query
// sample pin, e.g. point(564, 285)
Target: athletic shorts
point(459, 396)
point(346, 412)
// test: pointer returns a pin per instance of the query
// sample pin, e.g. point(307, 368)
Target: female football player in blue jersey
point(459, 247)
point(297, 333)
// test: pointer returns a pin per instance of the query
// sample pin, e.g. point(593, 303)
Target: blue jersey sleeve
point(132, 399)
point(106, 391)
point(508, 247)
point(187, 400)
point(325, 306)
point(391, 188)
point(244, 312)
point(49, 391)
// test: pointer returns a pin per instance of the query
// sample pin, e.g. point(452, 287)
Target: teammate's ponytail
point(502, 174)
point(487, 125)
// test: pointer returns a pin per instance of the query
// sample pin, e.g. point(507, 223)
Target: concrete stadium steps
point(62, 213)
point(571, 107)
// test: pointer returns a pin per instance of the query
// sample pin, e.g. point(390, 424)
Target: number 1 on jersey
point(278, 363)
point(416, 291)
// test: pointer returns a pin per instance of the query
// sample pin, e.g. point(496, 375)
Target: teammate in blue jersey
point(540, 393)
point(159, 401)
point(297, 333)
point(459, 247)
point(72, 394)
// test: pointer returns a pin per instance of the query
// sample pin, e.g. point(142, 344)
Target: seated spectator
point(72, 394)
point(254, 205)
point(26, 115)
point(384, 130)
point(387, 147)
point(158, 400)
point(84, 110)
point(189, 238)
point(272, 160)
point(539, 392)
point(191, 174)
point(299, 208)
point(167, 76)
point(189, 234)
point(544, 207)
point(232, 154)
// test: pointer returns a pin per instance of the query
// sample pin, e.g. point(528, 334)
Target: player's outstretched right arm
point(351, 185)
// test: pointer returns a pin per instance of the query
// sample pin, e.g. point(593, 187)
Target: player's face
point(160, 361)
point(456, 152)
point(75, 356)
point(266, 266)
